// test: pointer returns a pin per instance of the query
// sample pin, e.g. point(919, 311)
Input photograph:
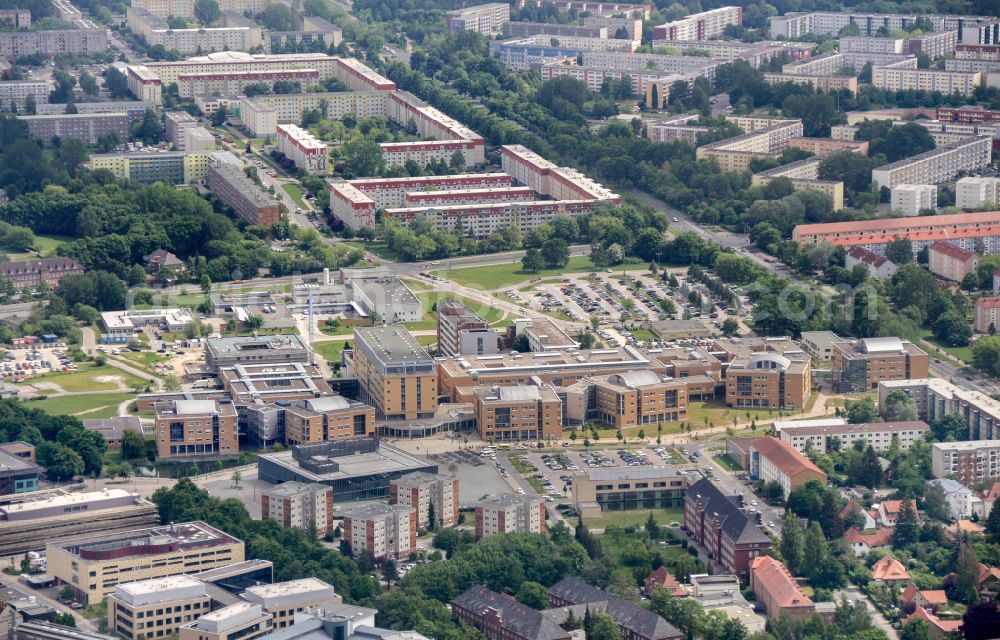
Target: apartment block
point(549, 179)
point(147, 168)
point(804, 175)
point(95, 565)
point(235, 82)
point(597, 8)
point(982, 32)
point(949, 261)
point(156, 32)
point(769, 380)
point(905, 76)
point(487, 19)
point(15, 44)
point(302, 148)
point(480, 220)
point(799, 23)
point(911, 199)
point(461, 331)
point(735, 154)
point(262, 114)
point(937, 398)
point(626, 488)
point(937, 165)
point(722, 525)
point(283, 600)
point(88, 128)
point(524, 53)
point(879, 435)
point(185, 8)
point(315, 31)
point(381, 531)
point(700, 26)
point(860, 366)
point(242, 620)
point(299, 505)
point(510, 513)
point(17, 18)
point(177, 124)
point(420, 491)
point(827, 83)
point(986, 315)
point(624, 61)
point(934, 44)
point(135, 109)
point(975, 193)
point(596, 77)
point(623, 26)
point(776, 588)
point(196, 429)
point(229, 182)
point(518, 413)
point(396, 375)
point(18, 92)
point(827, 64)
point(156, 608)
point(773, 460)
point(32, 273)
point(971, 463)
point(524, 29)
point(423, 152)
point(963, 229)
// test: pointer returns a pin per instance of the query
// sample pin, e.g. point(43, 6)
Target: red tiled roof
point(994, 492)
point(946, 626)
point(951, 250)
point(662, 577)
point(866, 256)
point(900, 224)
point(785, 457)
point(892, 507)
point(988, 303)
point(937, 597)
point(774, 578)
point(850, 508)
point(881, 538)
point(965, 526)
point(986, 572)
point(888, 568)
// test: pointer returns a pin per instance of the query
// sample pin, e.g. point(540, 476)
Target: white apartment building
point(973, 193)
point(911, 199)
point(480, 220)
point(879, 435)
point(300, 505)
point(235, 83)
point(381, 531)
point(486, 19)
point(302, 148)
point(595, 77)
point(937, 165)
point(524, 53)
point(795, 24)
point(904, 75)
point(155, 31)
point(19, 91)
point(700, 26)
point(262, 114)
point(510, 513)
point(421, 490)
point(651, 62)
point(549, 179)
point(869, 44)
point(969, 462)
point(398, 153)
point(185, 8)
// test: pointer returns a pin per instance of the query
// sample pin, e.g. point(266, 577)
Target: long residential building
point(86, 127)
point(722, 526)
point(775, 588)
point(94, 565)
point(963, 229)
point(936, 398)
point(523, 53)
point(937, 165)
point(700, 26)
point(185, 8)
point(134, 109)
point(827, 83)
point(19, 92)
point(302, 148)
point(549, 179)
point(736, 154)
point(156, 32)
point(487, 19)
point(525, 29)
point(481, 219)
point(776, 461)
point(228, 181)
point(879, 435)
point(175, 167)
point(804, 175)
point(15, 44)
point(905, 76)
point(800, 23)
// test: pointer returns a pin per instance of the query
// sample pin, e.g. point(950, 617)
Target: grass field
point(962, 353)
point(330, 349)
point(296, 192)
point(636, 518)
point(84, 378)
point(144, 360)
point(644, 334)
point(430, 298)
point(98, 405)
point(499, 276)
point(727, 463)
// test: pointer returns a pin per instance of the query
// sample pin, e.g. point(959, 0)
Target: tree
point(389, 571)
point(966, 574)
point(792, 542)
point(133, 444)
point(532, 594)
point(652, 528)
point(149, 129)
point(116, 83)
point(950, 428)
point(254, 322)
point(532, 262)
point(814, 552)
point(61, 462)
point(206, 12)
point(861, 411)
point(237, 477)
point(907, 527)
point(89, 84)
point(900, 407)
point(952, 329)
point(935, 502)
point(902, 142)
point(555, 253)
point(730, 327)
point(915, 630)
point(364, 156)
point(604, 628)
point(432, 519)
point(993, 525)
point(899, 251)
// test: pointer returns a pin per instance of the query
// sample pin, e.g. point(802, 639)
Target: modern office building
point(321, 419)
point(40, 630)
point(356, 469)
point(773, 460)
point(722, 526)
point(396, 375)
point(16, 44)
point(17, 475)
point(380, 531)
point(300, 505)
point(937, 165)
point(700, 26)
point(598, 491)
point(775, 588)
point(86, 127)
point(196, 429)
point(249, 384)
point(252, 350)
point(174, 167)
point(461, 331)
point(632, 398)
point(859, 366)
point(242, 620)
point(911, 199)
point(523, 412)
point(302, 148)
point(509, 513)
point(29, 520)
point(769, 380)
point(977, 193)
point(950, 262)
point(966, 230)
point(95, 565)
point(879, 435)
point(379, 293)
point(970, 463)
point(156, 608)
point(283, 600)
point(420, 491)
point(487, 19)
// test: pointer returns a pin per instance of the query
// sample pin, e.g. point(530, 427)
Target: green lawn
point(637, 517)
point(330, 349)
point(98, 405)
point(727, 463)
point(644, 334)
point(429, 298)
point(143, 360)
point(499, 276)
point(962, 353)
point(84, 378)
point(296, 192)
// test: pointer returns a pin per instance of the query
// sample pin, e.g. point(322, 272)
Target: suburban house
point(889, 510)
point(913, 598)
point(862, 543)
point(662, 578)
point(938, 629)
point(890, 571)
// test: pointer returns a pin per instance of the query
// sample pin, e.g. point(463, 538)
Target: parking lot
point(24, 363)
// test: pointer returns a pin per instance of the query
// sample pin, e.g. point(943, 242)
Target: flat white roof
point(68, 499)
point(289, 588)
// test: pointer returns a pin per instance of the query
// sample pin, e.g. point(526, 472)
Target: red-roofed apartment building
point(777, 590)
point(949, 261)
point(938, 629)
point(987, 313)
point(772, 460)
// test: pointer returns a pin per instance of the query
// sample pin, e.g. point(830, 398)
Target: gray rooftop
point(13, 464)
point(392, 345)
point(246, 343)
point(384, 459)
point(630, 473)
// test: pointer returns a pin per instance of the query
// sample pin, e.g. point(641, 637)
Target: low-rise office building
point(421, 491)
point(773, 460)
point(510, 513)
point(156, 608)
point(949, 261)
point(196, 429)
point(524, 412)
point(634, 621)
point(276, 349)
point(242, 620)
point(320, 419)
point(597, 491)
point(382, 532)
point(94, 565)
point(860, 366)
point(299, 505)
point(769, 380)
point(283, 600)
point(228, 181)
point(500, 617)
point(378, 292)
